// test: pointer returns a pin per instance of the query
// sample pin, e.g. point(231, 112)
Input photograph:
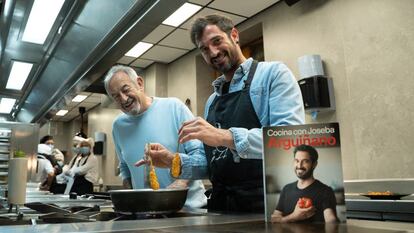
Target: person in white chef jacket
point(44, 169)
point(83, 168)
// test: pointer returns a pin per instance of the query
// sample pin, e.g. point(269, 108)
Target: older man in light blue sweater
point(148, 120)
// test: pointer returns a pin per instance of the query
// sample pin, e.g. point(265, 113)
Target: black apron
point(237, 183)
point(80, 184)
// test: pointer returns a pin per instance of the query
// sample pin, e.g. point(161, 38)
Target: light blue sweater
point(158, 124)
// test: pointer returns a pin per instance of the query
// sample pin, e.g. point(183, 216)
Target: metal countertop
point(210, 223)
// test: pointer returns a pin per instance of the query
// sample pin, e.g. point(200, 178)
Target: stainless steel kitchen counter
point(210, 223)
point(134, 225)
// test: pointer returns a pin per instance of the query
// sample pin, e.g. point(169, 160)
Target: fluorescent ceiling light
point(61, 112)
point(6, 105)
point(79, 98)
point(139, 49)
point(41, 19)
point(182, 14)
point(18, 75)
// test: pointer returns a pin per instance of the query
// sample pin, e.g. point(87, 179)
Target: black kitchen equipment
point(148, 201)
point(46, 208)
point(82, 110)
point(317, 93)
point(97, 195)
point(394, 196)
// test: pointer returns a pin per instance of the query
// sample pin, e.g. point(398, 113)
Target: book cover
point(303, 173)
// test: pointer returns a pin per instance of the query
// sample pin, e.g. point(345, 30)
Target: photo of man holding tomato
point(307, 199)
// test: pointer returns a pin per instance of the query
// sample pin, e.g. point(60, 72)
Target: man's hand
point(178, 184)
point(44, 187)
point(160, 156)
point(200, 129)
point(297, 215)
point(127, 183)
point(301, 213)
point(277, 216)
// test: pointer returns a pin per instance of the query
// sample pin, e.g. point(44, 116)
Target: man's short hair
point(313, 153)
point(225, 24)
point(119, 68)
point(46, 138)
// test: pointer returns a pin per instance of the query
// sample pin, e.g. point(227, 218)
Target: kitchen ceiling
point(170, 43)
point(84, 42)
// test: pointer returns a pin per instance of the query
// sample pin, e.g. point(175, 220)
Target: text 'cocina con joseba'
point(312, 136)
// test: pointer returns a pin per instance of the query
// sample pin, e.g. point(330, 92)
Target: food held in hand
point(304, 202)
point(153, 180)
point(176, 166)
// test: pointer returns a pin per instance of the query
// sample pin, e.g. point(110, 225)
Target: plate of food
point(387, 195)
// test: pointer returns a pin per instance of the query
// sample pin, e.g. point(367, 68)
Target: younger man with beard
point(323, 208)
point(248, 96)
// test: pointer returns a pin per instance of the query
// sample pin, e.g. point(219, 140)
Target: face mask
point(51, 146)
point(84, 150)
point(76, 150)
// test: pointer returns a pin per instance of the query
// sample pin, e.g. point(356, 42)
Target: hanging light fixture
point(81, 133)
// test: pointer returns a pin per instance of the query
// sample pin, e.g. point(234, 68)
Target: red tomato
point(301, 203)
point(304, 202)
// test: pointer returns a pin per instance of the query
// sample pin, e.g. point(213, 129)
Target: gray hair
point(119, 68)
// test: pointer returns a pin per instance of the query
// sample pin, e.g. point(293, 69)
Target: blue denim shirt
point(276, 99)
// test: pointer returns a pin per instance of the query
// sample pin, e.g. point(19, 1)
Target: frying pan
point(148, 201)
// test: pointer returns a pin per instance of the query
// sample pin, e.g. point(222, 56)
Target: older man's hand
point(160, 156)
point(200, 129)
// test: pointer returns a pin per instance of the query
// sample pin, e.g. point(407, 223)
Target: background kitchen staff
point(48, 140)
point(83, 167)
point(248, 96)
point(45, 173)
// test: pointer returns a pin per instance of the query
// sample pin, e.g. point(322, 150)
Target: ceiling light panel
point(18, 75)
point(182, 14)
point(79, 98)
point(41, 19)
point(6, 105)
point(139, 49)
point(61, 112)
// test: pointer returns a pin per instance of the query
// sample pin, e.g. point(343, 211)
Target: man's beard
point(135, 109)
point(226, 67)
point(305, 175)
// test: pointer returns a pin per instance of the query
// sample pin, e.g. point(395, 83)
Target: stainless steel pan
point(148, 201)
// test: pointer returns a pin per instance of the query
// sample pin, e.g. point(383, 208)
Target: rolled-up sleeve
point(281, 105)
point(194, 162)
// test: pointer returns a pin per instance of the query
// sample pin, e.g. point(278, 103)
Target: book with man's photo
point(303, 174)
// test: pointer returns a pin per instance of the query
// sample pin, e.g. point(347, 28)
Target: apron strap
point(252, 71)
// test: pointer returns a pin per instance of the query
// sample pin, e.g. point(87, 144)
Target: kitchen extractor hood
point(97, 34)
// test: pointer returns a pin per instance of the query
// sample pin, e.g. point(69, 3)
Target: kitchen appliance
point(100, 139)
point(5, 136)
point(380, 199)
point(317, 89)
point(17, 136)
point(384, 210)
